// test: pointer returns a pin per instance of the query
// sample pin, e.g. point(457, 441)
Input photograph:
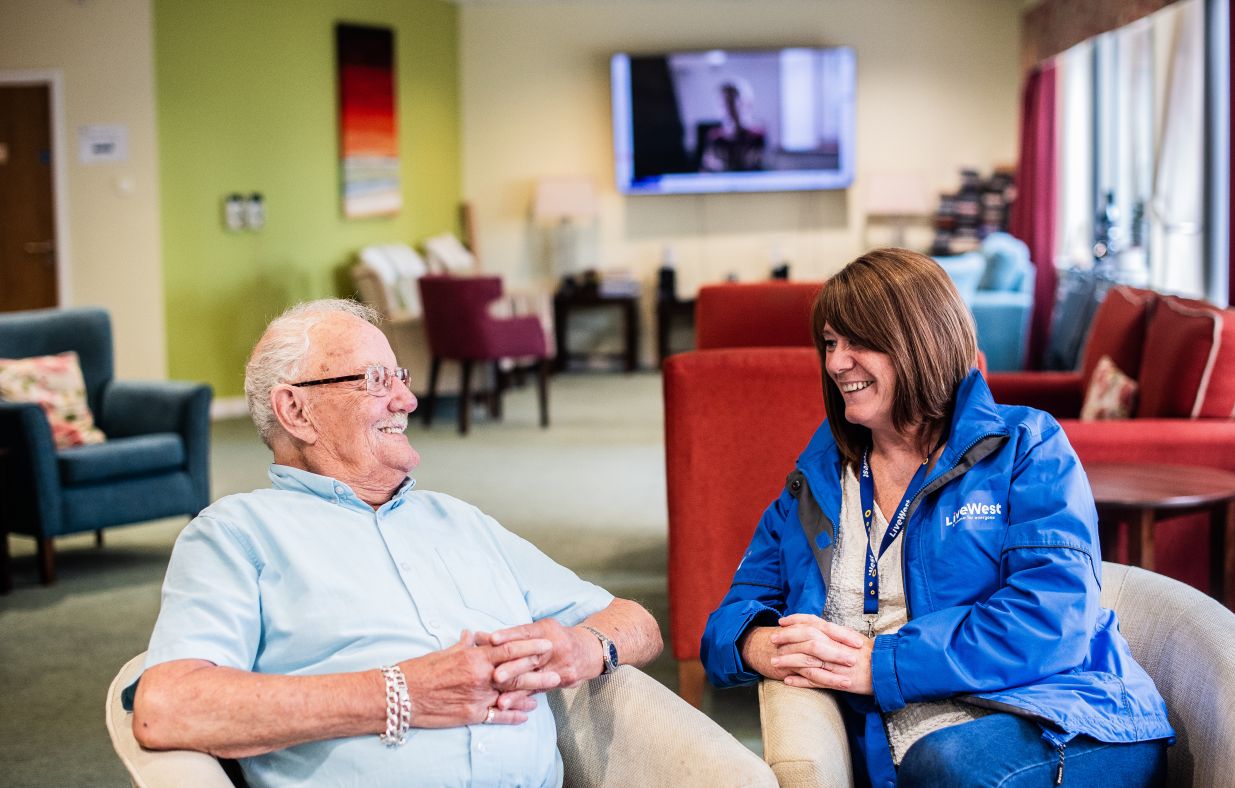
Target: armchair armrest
point(804, 737)
point(132, 407)
point(28, 462)
point(147, 768)
point(626, 728)
point(1058, 393)
point(1206, 442)
point(142, 407)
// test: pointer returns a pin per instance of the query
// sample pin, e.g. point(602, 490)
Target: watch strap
point(608, 650)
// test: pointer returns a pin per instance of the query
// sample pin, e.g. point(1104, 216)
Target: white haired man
point(342, 628)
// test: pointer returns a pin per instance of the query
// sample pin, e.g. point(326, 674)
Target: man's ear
point(290, 408)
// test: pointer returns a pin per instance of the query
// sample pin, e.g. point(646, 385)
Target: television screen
point(733, 121)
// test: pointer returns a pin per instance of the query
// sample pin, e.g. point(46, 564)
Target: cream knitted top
point(844, 607)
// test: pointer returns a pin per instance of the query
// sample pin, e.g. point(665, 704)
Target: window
point(1135, 135)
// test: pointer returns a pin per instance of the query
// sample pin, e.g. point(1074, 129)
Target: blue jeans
point(1009, 751)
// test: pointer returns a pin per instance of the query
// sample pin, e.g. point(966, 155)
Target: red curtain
point(1033, 213)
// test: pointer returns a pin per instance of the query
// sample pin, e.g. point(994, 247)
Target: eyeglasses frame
point(399, 373)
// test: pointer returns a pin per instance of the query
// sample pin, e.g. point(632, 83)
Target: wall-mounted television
point(733, 120)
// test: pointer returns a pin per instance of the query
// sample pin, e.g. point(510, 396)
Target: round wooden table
point(1138, 492)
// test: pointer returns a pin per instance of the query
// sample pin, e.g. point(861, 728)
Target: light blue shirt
point(306, 578)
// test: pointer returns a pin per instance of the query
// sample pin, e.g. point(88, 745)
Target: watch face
point(613, 657)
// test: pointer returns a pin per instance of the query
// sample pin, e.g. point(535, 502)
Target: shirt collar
point(285, 477)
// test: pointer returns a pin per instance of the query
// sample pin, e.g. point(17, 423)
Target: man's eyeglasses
point(377, 379)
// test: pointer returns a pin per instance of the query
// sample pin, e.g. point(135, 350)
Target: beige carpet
point(590, 491)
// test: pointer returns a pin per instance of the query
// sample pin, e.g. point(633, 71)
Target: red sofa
point(735, 421)
point(1181, 352)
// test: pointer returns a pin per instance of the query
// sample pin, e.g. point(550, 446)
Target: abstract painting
point(368, 123)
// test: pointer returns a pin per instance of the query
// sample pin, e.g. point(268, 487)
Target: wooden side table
point(1141, 491)
point(566, 302)
point(667, 310)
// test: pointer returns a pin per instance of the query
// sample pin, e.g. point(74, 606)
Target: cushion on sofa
point(1118, 331)
point(121, 457)
point(55, 383)
point(1185, 370)
point(1111, 394)
point(1217, 399)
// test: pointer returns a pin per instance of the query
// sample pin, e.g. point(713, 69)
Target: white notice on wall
point(102, 143)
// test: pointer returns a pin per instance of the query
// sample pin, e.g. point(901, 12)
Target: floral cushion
point(55, 383)
point(1111, 395)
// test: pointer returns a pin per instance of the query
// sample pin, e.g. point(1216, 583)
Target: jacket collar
point(975, 417)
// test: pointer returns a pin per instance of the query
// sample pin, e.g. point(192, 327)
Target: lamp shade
point(895, 195)
point(563, 198)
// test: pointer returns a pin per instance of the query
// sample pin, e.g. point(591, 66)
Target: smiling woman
point(934, 559)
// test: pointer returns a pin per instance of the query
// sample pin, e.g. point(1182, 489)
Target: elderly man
point(343, 628)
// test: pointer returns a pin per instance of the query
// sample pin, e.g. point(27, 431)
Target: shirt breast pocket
point(483, 585)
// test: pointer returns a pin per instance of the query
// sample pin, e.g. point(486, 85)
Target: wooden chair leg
point(47, 560)
point(495, 392)
point(98, 538)
point(1222, 553)
point(691, 680)
point(542, 390)
point(435, 366)
point(6, 569)
point(465, 397)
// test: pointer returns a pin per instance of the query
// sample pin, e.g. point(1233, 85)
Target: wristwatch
point(607, 649)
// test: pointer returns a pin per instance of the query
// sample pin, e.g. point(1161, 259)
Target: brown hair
point(903, 304)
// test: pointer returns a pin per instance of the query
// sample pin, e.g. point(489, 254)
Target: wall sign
point(101, 144)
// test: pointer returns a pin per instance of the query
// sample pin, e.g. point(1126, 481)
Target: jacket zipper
point(913, 508)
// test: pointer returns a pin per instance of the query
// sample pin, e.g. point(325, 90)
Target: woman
point(966, 637)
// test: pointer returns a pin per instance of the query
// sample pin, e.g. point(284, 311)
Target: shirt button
point(434, 625)
point(338, 489)
point(480, 747)
point(405, 566)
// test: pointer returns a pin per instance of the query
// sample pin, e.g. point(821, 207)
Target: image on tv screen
point(722, 121)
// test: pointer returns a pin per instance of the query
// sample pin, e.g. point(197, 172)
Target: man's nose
point(401, 397)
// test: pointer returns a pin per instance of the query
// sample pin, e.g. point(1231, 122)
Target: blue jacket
point(1002, 573)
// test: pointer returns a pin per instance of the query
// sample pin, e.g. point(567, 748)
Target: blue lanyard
point(870, 600)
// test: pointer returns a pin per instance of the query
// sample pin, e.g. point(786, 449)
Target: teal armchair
point(997, 282)
point(154, 463)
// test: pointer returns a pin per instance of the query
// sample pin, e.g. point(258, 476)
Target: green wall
point(247, 102)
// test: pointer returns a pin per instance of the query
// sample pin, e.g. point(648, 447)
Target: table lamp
point(896, 199)
point(562, 203)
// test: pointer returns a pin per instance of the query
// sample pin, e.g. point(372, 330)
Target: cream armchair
point(618, 730)
point(385, 278)
point(1183, 638)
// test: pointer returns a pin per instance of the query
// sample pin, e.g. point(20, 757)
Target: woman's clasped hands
point(806, 651)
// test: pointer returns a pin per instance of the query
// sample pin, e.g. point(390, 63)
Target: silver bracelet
point(398, 706)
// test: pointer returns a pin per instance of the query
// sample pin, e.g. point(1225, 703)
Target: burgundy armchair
point(460, 328)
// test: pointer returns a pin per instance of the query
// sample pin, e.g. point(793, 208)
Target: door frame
point(54, 80)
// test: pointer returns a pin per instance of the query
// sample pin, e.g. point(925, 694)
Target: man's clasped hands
point(499, 671)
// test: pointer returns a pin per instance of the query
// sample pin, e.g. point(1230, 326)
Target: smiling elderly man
point(343, 628)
